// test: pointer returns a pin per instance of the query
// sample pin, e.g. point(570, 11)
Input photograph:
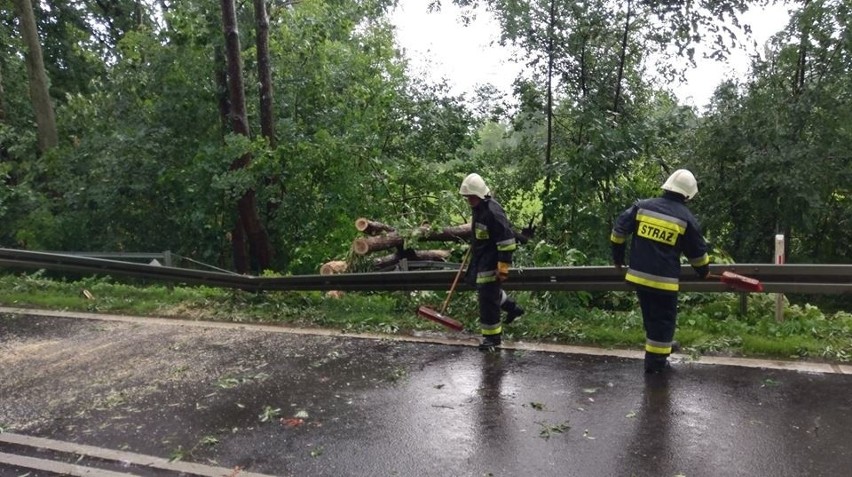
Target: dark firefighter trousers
point(492, 299)
point(659, 317)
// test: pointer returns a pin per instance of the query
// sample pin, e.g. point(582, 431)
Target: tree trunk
point(264, 75)
point(238, 247)
point(48, 137)
point(221, 75)
point(267, 123)
point(365, 245)
point(247, 206)
point(2, 98)
point(548, 147)
point(802, 62)
point(622, 59)
point(371, 227)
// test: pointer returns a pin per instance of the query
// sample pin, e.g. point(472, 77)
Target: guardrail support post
point(167, 258)
point(743, 304)
point(779, 260)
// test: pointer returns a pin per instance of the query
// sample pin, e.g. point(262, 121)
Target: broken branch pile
point(380, 236)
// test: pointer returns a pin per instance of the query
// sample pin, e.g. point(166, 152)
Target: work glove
point(502, 271)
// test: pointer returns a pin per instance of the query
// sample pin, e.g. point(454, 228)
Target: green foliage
point(145, 156)
point(774, 152)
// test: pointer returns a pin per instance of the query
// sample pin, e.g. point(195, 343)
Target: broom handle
point(455, 281)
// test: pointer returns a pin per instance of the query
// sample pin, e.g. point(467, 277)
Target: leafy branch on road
point(548, 429)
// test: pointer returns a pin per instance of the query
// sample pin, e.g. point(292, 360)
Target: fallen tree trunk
point(371, 227)
point(365, 245)
point(414, 255)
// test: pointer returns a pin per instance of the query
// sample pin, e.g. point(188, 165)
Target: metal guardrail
point(790, 278)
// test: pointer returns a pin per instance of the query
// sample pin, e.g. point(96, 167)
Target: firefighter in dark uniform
point(492, 245)
point(663, 228)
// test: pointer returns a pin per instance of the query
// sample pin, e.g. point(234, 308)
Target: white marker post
point(779, 260)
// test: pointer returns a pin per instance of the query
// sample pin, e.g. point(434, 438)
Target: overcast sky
point(438, 45)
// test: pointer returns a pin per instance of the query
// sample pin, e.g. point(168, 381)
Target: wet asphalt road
point(291, 404)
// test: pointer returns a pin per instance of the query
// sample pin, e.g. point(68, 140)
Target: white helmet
point(683, 182)
point(474, 185)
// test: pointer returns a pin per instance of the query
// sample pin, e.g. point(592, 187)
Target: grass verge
point(709, 324)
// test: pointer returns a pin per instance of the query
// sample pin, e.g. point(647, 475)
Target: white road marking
point(117, 456)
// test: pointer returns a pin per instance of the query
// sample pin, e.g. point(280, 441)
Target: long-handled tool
point(739, 282)
point(438, 316)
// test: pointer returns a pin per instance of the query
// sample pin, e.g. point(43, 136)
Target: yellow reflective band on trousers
point(658, 349)
point(652, 281)
point(492, 330)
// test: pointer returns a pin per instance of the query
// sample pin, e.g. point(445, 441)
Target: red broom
point(438, 316)
point(739, 282)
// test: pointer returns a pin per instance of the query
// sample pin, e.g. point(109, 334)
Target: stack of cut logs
point(380, 236)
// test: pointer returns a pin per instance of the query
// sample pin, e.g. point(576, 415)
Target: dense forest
point(251, 134)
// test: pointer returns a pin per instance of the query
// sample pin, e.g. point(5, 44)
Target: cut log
point(371, 227)
point(365, 245)
point(333, 267)
point(415, 255)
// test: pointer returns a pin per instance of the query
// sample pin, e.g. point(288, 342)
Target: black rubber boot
point(513, 312)
point(656, 363)
point(490, 343)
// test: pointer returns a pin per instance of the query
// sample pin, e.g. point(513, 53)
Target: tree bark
point(371, 227)
point(247, 205)
point(48, 137)
point(238, 247)
point(221, 75)
point(267, 122)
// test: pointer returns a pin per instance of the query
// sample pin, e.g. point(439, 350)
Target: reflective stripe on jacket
point(493, 241)
point(663, 228)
